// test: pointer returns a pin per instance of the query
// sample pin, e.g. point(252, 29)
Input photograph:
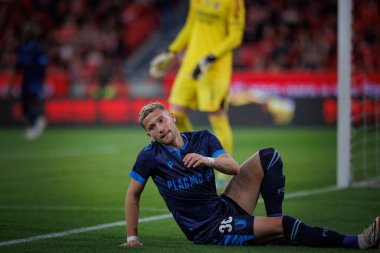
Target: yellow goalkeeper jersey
point(212, 27)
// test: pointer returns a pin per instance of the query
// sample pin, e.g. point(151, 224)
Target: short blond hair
point(149, 108)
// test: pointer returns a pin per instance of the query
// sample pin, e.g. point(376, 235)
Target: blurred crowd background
point(91, 40)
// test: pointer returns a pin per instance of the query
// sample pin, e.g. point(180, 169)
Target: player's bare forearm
point(132, 212)
point(227, 165)
point(223, 163)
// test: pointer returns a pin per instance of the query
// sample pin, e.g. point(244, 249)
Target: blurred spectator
point(367, 36)
point(83, 35)
point(289, 35)
point(280, 35)
point(297, 35)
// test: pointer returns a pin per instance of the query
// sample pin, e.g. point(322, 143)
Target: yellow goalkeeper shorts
point(209, 94)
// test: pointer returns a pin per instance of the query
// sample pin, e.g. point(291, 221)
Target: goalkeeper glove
point(160, 64)
point(203, 66)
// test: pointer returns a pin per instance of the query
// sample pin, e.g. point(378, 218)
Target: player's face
point(160, 125)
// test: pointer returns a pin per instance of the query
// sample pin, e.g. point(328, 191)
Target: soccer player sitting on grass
point(181, 166)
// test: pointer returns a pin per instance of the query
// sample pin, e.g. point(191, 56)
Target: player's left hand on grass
point(203, 66)
point(131, 243)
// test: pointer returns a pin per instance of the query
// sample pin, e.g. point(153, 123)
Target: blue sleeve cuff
point(219, 152)
point(137, 177)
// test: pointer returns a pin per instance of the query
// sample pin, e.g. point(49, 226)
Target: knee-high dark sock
point(273, 184)
point(295, 230)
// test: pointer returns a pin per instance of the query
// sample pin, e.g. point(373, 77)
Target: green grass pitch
point(73, 178)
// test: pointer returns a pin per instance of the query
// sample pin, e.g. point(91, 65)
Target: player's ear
point(172, 116)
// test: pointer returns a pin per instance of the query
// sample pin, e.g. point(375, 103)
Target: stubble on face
point(161, 127)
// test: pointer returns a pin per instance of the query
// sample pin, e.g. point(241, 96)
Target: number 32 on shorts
point(226, 224)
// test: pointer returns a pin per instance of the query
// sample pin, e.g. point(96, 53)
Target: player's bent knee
point(270, 159)
point(273, 183)
point(272, 165)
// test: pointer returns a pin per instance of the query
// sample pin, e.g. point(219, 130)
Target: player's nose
point(161, 129)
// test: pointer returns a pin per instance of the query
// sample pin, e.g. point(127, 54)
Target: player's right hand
point(193, 160)
point(131, 243)
point(159, 65)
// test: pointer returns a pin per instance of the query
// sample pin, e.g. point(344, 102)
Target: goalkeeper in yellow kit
point(213, 29)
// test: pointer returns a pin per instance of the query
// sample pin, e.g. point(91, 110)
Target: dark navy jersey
point(189, 193)
point(32, 60)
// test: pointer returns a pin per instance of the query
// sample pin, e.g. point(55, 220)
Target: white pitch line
point(293, 195)
point(311, 192)
point(81, 230)
point(59, 208)
point(76, 208)
point(146, 219)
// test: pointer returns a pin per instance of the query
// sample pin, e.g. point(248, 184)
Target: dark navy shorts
point(233, 227)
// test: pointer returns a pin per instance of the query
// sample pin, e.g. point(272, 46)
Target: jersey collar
point(186, 142)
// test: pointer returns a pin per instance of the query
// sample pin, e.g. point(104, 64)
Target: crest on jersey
point(209, 175)
point(240, 224)
point(170, 164)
